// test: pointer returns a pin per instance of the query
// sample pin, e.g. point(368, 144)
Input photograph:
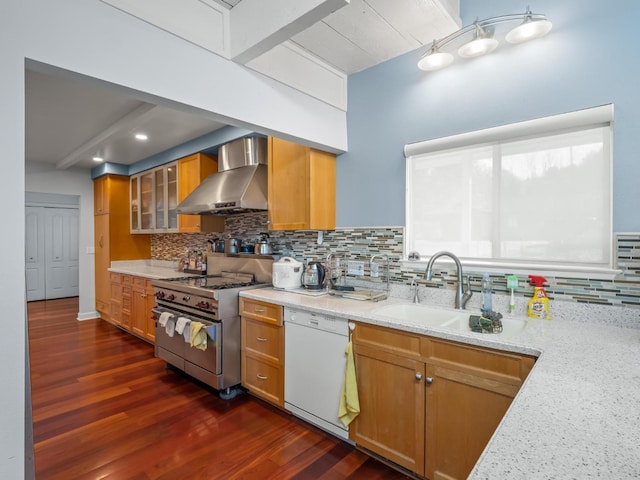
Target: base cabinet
point(263, 350)
point(430, 405)
point(387, 390)
point(132, 298)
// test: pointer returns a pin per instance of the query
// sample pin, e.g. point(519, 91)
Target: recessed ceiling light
point(141, 136)
point(98, 159)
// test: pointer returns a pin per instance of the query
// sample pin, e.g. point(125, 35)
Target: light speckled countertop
point(577, 414)
point(154, 269)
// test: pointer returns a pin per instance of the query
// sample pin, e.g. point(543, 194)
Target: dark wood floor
point(105, 408)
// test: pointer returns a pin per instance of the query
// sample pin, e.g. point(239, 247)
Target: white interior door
point(52, 252)
point(61, 253)
point(34, 253)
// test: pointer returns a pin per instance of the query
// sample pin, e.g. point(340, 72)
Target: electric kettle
point(313, 276)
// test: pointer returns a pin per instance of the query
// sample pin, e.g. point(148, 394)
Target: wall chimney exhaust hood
point(240, 185)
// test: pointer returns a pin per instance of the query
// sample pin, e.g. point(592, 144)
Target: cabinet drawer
point(126, 291)
point(115, 277)
point(263, 379)
point(387, 339)
point(139, 282)
point(263, 339)
point(103, 308)
point(115, 313)
point(116, 292)
point(126, 304)
point(510, 368)
point(126, 279)
point(267, 312)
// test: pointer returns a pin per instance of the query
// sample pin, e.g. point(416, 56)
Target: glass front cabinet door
point(154, 195)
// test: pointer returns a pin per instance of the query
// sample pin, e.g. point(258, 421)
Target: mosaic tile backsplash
point(359, 244)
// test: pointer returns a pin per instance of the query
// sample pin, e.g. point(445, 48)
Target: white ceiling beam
point(134, 118)
point(257, 26)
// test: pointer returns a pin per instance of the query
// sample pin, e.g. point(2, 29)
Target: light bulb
point(435, 61)
point(528, 30)
point(478, 47)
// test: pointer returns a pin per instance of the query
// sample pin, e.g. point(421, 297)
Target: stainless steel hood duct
point(239, 186)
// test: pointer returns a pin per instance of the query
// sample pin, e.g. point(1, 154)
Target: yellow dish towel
point(198, 335)
point(349, 402)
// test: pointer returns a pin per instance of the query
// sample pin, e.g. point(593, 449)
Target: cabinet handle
point(418, 376)
point(261, 377)
point(261, 339)
point(429, 380)
point(259, 310)
point(100, 241)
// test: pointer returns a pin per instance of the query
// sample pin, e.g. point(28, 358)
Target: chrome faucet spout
point(416, 294)
point(462, 295)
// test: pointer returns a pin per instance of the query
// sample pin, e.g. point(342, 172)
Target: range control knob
point(159, 294)
point(186, 298)
point(171, 297)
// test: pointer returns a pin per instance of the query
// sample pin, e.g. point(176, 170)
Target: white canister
point(287, 273)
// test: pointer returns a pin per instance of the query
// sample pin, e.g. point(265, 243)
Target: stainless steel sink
point(423, 315)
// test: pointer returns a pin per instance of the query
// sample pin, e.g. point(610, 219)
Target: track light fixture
point(532, 25)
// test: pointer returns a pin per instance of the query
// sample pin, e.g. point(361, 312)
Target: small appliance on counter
point(287, 273)
point(263, 247)
point(313, 276)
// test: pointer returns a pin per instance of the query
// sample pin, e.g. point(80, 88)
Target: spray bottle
point(539, 303)
point(512, 284)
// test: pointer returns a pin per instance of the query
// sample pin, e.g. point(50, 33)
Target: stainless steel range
point(213, 301)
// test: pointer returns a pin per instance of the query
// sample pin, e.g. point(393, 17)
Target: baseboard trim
point(88, 315)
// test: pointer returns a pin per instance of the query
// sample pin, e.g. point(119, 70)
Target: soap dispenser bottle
point(486, 294)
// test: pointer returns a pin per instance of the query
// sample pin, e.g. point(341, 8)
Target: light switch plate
point(356, 268)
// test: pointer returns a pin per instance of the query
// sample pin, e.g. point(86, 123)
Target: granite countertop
point(154, 269)
point(578, 413)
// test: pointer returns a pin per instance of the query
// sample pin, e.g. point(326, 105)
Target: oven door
point(205, 365)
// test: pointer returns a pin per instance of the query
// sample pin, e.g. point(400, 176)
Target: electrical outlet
point(374, 269)
point(356, 268)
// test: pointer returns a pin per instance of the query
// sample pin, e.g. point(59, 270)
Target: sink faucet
point(416, 295)
point(461, 297)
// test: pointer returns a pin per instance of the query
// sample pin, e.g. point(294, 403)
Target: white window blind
point(543, 197)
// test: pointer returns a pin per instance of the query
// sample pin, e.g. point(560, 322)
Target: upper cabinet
point(154, 198)
point(302, 187)
point(192, 170)
point(101, 189)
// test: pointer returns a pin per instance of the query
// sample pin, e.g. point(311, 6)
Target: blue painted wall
point(590, 58)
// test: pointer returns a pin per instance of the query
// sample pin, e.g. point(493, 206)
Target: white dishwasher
point(314, 363)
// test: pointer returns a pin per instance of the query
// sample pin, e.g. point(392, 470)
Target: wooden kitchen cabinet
point(154, 199)
point(116, 299)
point(192, 170)
point(112, 238)
point(101, 195)
point(430, 405)
point(471, 390)
point(263, 350)
point(132, 299)
point(142, 302)
point(125, 302)
point(389, 370)
point(302, 187)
